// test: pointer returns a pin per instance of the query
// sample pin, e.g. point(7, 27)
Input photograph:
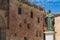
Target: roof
point(56, 15)
point(38, 7)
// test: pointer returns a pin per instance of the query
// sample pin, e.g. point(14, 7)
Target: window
point(25, 38)
point(31, 14)
point(38, 20)
point(19, 10)
point(18, 0)
point(8, 1)
point(20, 25)
point(24, 20)
point(36, 34)
point(15, 34)
point(7, 27)
point(28, 26)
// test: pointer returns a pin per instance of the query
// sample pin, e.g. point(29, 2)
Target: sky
point(53, 5)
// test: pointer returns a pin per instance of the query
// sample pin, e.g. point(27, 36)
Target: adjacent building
point(57, 26)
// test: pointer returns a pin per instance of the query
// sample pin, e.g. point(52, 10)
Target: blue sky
point(53, 5)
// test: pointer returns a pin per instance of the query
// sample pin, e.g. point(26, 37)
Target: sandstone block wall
point(57, 27)
point(26, 25)
point(23, 22)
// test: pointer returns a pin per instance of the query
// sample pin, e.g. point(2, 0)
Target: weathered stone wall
point(27, 25)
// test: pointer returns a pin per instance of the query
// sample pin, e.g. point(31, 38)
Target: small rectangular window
point(19, 10)
point(20, 25)
point(24, 20)
point(28, 26)
point(31, 15)
point(38, 20)
point(8, 27)
point(15, 34)
point(36, 34)
point(25, 38)
point(18, 0)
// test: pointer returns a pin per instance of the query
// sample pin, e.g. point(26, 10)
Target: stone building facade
point(57, 26)
point(22, 21)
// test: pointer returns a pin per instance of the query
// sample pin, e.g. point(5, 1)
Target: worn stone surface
point(24, 26)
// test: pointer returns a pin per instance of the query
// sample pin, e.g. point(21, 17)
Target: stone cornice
point(33, 5)
point(56, 15)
